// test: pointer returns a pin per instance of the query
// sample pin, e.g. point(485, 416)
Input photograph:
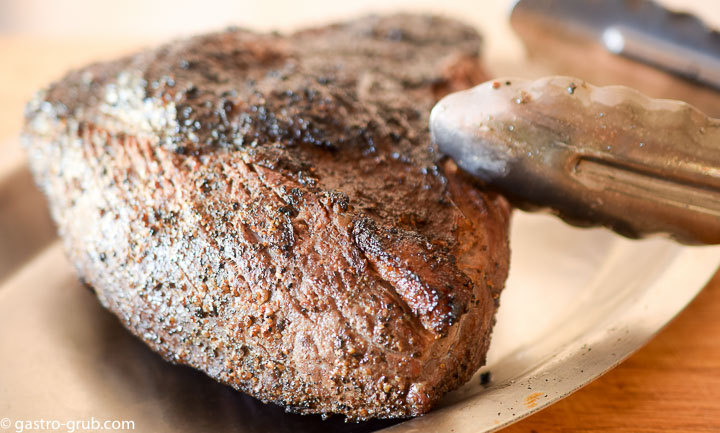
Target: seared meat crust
point(269, 209)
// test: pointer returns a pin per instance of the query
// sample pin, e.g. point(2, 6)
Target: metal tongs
point(606, 156)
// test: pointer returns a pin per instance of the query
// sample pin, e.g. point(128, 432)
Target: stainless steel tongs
point(594, 155)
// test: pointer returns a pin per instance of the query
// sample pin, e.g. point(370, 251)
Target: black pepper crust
point(269, 209)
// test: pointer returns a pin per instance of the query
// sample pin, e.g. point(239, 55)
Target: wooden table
point(670, 385)
point(673, 384)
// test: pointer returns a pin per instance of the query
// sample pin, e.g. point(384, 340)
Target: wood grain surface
point(671, 385)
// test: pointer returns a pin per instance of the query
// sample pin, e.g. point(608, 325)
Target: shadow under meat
point(25, 224)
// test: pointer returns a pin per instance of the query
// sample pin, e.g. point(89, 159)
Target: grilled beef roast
point(269, 209)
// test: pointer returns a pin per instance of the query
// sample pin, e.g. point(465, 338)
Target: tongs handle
point(641, 29)
point(593, 155)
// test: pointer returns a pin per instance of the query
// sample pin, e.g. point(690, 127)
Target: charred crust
point(270, 210)
point(425, 278)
